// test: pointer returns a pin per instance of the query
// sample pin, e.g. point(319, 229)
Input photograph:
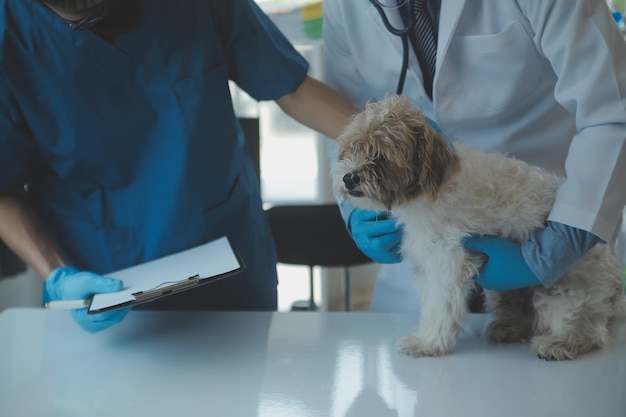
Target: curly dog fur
point(391, 158)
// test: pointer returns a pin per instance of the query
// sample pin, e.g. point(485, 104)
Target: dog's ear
point(436, 163)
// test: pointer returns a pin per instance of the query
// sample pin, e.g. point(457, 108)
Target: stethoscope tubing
point(404, 36)
point(393, 30)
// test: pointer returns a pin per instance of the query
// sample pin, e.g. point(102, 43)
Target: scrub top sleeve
point(261, 60)
point(17, 148)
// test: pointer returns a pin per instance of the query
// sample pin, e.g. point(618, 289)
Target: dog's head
point(389, 154)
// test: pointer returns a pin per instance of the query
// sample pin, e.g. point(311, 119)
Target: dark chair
point(314, 235)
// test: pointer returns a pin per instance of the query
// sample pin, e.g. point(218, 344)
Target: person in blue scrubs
point(119, 144)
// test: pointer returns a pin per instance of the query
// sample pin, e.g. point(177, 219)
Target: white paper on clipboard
point(170, 274)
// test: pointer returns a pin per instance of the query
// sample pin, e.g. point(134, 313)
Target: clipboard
point(169, 275)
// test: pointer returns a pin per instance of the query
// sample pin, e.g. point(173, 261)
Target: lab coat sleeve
point(588, 54)
point(260, 58)
point(18, 156)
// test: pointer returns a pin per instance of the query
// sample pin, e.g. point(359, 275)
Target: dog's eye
point(380, 159)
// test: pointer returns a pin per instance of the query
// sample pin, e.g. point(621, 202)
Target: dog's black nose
point(351, 180)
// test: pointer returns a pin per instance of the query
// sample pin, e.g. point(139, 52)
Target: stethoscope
point(402, 33)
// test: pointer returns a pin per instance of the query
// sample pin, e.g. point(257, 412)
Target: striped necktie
point(425, 43)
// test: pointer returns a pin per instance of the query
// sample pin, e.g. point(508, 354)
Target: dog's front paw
point(414, 346)
point(554, 349)
point(507, 331)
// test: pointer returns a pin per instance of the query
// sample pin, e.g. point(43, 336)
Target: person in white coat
point(541, 80)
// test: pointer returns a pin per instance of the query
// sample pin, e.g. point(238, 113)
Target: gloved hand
point(506, 268)
point(67, 283)
point(377, 235)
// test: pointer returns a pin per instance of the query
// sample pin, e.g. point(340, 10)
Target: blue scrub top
point(131, 148)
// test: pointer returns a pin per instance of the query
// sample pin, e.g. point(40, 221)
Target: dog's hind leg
point(567, 325)
point(514, 315)
point(443, 294)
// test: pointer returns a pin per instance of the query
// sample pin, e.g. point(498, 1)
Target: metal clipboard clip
point(166, 288)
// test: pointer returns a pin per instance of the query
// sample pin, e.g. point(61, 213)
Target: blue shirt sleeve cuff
point(552, 251)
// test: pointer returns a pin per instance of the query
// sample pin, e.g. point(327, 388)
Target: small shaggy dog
point(391, 158)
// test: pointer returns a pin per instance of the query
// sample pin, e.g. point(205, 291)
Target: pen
point(67, 304)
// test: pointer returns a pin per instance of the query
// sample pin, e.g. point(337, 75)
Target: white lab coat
point(541, 80)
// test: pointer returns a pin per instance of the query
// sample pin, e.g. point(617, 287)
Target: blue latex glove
point(67, 283)
point(506, 268)
point(377, 235)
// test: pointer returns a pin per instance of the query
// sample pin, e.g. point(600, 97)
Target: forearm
point(317, 106)
point(23, 231)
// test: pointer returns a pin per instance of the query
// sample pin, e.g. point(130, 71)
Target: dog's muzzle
point(351, 180)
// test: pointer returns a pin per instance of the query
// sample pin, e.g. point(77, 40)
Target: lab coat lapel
point(448, 20)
